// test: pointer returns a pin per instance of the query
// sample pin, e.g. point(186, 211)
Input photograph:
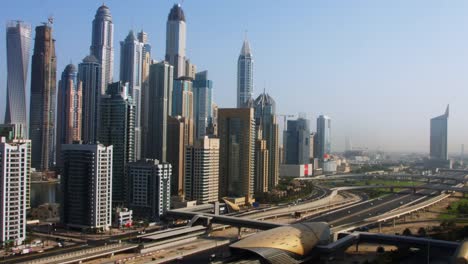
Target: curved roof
point(90, 58)
point(130, 36)
point(176, 13)
point(104, 12)
point(296, 239)
point(70, 68)
point(264, 99)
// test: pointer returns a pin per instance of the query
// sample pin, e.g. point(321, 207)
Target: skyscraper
point(131, 56)
point(236, 129)
point(15, 169)
point(175, 40)
point(117, 128)
point(145, 65)
point(87, 186)
point(18, 41)
point(298, 142)
point(149, 188)
point(439, 138)
point(265, 120)
point(261, 165)
point(69, 109)
point(203, 99)
point(160, 96)
point(322, 144)
point(244, 75)
point(89, 74)
point(102, 44)
point(43, 98)
point(182, 105)
point(202, 171)
point(176, 142)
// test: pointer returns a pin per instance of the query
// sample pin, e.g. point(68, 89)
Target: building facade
point(102, 44)
point(149, 188)
point(15, 169)
point(265, 120)
point(43, 99)
point(145, 102)
point(176, 40)
point(322, 144)
point(18, 45)
point(131, 62)
point(87, 186)
point(203, 100)
point(202, 171)
point(160, 96)
point(176, 142)
point(89, 74)
point(69, 109)
point(182, 105)
point(439, 137)
point(117, 128)
point(236, 130)
point(298, 142)
point(244, 75)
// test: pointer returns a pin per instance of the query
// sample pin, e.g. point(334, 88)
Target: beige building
point(202, 171)
point(261, 166)
point(176, 128)
point(236, 130)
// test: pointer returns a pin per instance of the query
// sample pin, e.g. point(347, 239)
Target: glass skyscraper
point(175, 40)
point(322, 142)
point(298, 142)
point(438, 138)
point(244, 75)
point(89, 73)
point(18, 41)
point(203, 99)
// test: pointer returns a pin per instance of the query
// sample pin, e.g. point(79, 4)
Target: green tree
point(407, 232)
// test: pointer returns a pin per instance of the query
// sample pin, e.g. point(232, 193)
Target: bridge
point(419, 177)
point(411, 187)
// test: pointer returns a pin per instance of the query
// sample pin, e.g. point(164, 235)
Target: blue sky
point(380, 69)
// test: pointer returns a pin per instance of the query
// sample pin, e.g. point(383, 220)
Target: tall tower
point(160, 94)
point(87, 186)
point(265, 120)
point(131, 55)
point(117, 128)
point(439, 138)
point(14, 183)
point(175, 40)
point(89, 74)
point(102, 44)
point(244, 75)
point(203, 100)
point(43, 97)
point(18, 38)
point(145, 64)
point(236, 130)
point(182, 105)
point(69, 109)
point(322, 144)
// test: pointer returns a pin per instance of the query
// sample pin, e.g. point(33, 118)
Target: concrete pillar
point(357, 247)
point(380, 227)
point(239, 231)
point(394, 220)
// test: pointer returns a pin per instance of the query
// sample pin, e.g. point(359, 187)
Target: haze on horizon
point(380, 70)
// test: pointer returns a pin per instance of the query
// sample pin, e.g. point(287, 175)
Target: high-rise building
point(311, 143)
point(265, 120)
point(149, 188)
point(160, 96)
point(117, 128)
point(43, 98)
point(15, 169)
point(261, 165)
point(69, 109)
point(212, 129)
point(236, 130)
point(131, 57)
point(202, 171)
point(89, 74)
point(102, 44)
point(203, 100)
point(244, 75)
point(298, 142)
point(18, 44)
point(176, 40)
point(182, 105)
point(322, 144)
point(438, 137)
point(87, 186)
point(145, 65)
point(176, 142)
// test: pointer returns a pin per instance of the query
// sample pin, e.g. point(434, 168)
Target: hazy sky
point(379, 69)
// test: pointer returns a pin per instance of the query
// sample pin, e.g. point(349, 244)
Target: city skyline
point(354, 92)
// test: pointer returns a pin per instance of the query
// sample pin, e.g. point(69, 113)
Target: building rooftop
point(176, 14)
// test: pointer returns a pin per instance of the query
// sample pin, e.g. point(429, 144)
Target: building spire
point(447, 111)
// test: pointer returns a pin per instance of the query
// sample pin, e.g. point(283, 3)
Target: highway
point(370, 208)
